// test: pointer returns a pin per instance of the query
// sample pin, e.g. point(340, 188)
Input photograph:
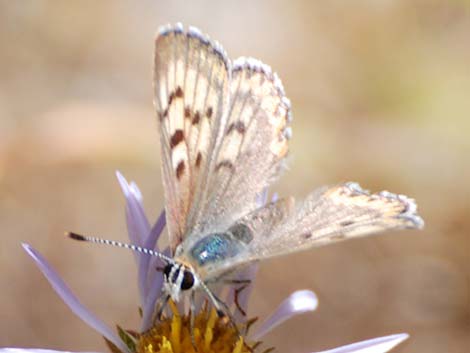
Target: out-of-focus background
point(380, 93)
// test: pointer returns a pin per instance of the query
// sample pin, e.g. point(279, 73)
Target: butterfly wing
point(327, 215)
point(223, 132)
point(191, 82)
point(252, 148)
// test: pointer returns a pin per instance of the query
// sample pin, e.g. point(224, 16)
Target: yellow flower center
point(210, 334)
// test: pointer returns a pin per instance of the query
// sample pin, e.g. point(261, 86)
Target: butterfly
point(224, 132)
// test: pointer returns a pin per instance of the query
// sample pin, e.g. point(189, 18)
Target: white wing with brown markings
point(191, 78)
point(223, 130)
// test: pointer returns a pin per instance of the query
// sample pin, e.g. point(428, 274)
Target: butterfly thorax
point(207, 253)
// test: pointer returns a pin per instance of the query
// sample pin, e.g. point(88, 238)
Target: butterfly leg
point(237, 281)
point(222, 309)
point(237, 291)
point(159, 307)
point(192, 318)
point(235, 300)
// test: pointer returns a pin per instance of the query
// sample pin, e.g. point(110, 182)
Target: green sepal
point(112, 347)
point(128, 340)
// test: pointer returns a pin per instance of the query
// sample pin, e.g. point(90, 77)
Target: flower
point(172, 334)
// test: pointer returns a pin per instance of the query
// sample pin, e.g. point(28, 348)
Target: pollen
point(211, 334)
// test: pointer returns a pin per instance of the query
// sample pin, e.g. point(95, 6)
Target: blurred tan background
point(381, 95)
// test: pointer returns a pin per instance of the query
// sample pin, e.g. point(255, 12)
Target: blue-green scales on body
point(221, 246)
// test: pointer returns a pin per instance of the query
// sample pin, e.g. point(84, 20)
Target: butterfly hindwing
point(327, 215)
point(338, 213)
point(253, 146)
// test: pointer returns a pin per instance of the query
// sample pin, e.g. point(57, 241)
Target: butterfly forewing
point(191, 77)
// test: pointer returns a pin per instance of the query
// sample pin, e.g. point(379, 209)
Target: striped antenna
point(132, 247)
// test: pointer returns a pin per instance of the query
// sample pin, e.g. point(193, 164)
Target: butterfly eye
point(188, 280)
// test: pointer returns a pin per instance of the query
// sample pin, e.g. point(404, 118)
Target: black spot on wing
point(171, 97)
point(176, 139)
point(179, 92)
point(187, 112)
point(196, 118)
point(180, 170)
point(198, 159)
point(209, 112)
point(238, 126)
point(224, 164)
point(241, 232)
point(346, 223)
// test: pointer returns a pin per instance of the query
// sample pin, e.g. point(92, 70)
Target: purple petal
point(71, 300)
point(156, 231)
point(154, 291)
point(375, 345)
point(149, 278)
point(297, 303)
point(136, 191)
point(140, 226)
point(151, 243)
point(140, 232)
point(33, 350)
point(123, 183)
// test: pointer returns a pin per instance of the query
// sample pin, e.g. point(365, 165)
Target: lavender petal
point(151, 243)
point(375, 345)
point(140, 232)
point(147, 272)
point(155, 289)
point(72, 301)
point(34, 350)
point(140, 226)
point(154, 292)
point(136, 191)
point(297, 303)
